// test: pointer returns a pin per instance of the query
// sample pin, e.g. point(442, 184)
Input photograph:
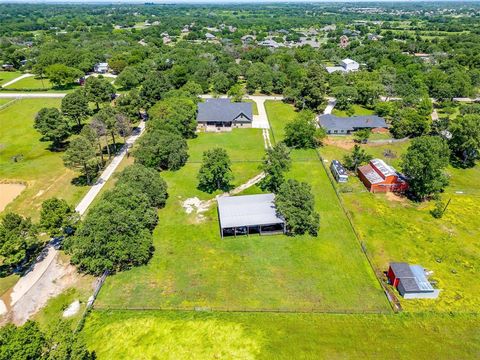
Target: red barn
point(380, 177)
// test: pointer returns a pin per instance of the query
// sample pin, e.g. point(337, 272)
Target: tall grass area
point(194, 335)
point(41, 169)
point(193, 267)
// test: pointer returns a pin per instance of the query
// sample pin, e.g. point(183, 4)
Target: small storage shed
point(378, 176)
point(411, 281)
point(249, 214)
point(338, 171)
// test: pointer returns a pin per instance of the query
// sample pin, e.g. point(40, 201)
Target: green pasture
point(193, 267)
point(41, 169)
point(6, 76)
point(397, 229)
point(30, 83)
point(202, 335)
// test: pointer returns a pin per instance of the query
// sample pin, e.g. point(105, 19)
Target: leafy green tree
point(465, 140)
point(312, 87)
point(345, 96)
point(129, 78)
point(81, 154)
point(295, 202)
point(107, 116)
point(113, 235)
point(75, 107)
point(145, 179)
point(50, 123)
point(192, 88)
point(162, 150)
point(357, 158)
point(275, 163)
point(18, 241)
point(425, 106)
point(362, 135)
point(154, 88)
point(221, 83)
point(215, 172)
point(302, 132)
point(61, 75)
point(21, 343)
point(259, 77)
point(117, 65)
point(99, 90)
point(63, 344)
point(236, 92)
point(368, 92)
point(176, 112)
point(129, 104)
point(423, 165)
point(57, 217)
point(408, 122)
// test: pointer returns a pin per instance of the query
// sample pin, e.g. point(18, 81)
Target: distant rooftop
point(221, 110)
point(332, 122)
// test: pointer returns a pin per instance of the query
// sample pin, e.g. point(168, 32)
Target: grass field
point(193, 335)
point(6, 76)
point(192, 266)
point(396, 229)
point(358, 111)
point(41, 169)
point(31, 82)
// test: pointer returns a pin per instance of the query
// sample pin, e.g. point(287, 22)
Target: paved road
point(330, 106)
point(43, 279)
point(13, 81)
point(107, 173)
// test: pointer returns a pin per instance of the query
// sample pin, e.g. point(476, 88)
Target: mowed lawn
point(31, 83)
point(41, 169)
point(193, 267)
point(396, 229)
point(6, 76)
point(195, 335)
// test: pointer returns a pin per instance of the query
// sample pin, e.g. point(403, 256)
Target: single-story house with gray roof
point(223, 115)
point(249, 214)
point(346, 125)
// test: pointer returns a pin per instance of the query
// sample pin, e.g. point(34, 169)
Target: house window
point(334, 131)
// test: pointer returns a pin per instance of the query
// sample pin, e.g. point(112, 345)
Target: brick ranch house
point(223, 115)
point(377, 176)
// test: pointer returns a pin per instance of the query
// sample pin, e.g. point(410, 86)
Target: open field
point(6, 76)
point(193, 335)
point(358, 111)
point(241, 144)
point(396, 229)
point(39, 168)
point(31, 82)
point(193, 267)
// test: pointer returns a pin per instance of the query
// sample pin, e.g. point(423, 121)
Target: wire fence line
point(391, 297)
point(242, 310)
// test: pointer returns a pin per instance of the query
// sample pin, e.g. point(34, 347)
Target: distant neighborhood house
point(223, 115)
point(378, 176)
point(346, 125)
point(101, 68)
point(411, 281)
point(346, 65)
point(249, 214)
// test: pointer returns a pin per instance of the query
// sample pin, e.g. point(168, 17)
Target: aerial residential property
point(346, 66)
point(223, 115)
point(101, 68)
point(336, 125)
point(378, 176)
point(208, 179)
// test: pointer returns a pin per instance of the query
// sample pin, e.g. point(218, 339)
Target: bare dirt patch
point(346, 144)
point(394, 197)
point(8, 192)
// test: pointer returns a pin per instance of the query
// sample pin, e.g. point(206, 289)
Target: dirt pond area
point(8, 192)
